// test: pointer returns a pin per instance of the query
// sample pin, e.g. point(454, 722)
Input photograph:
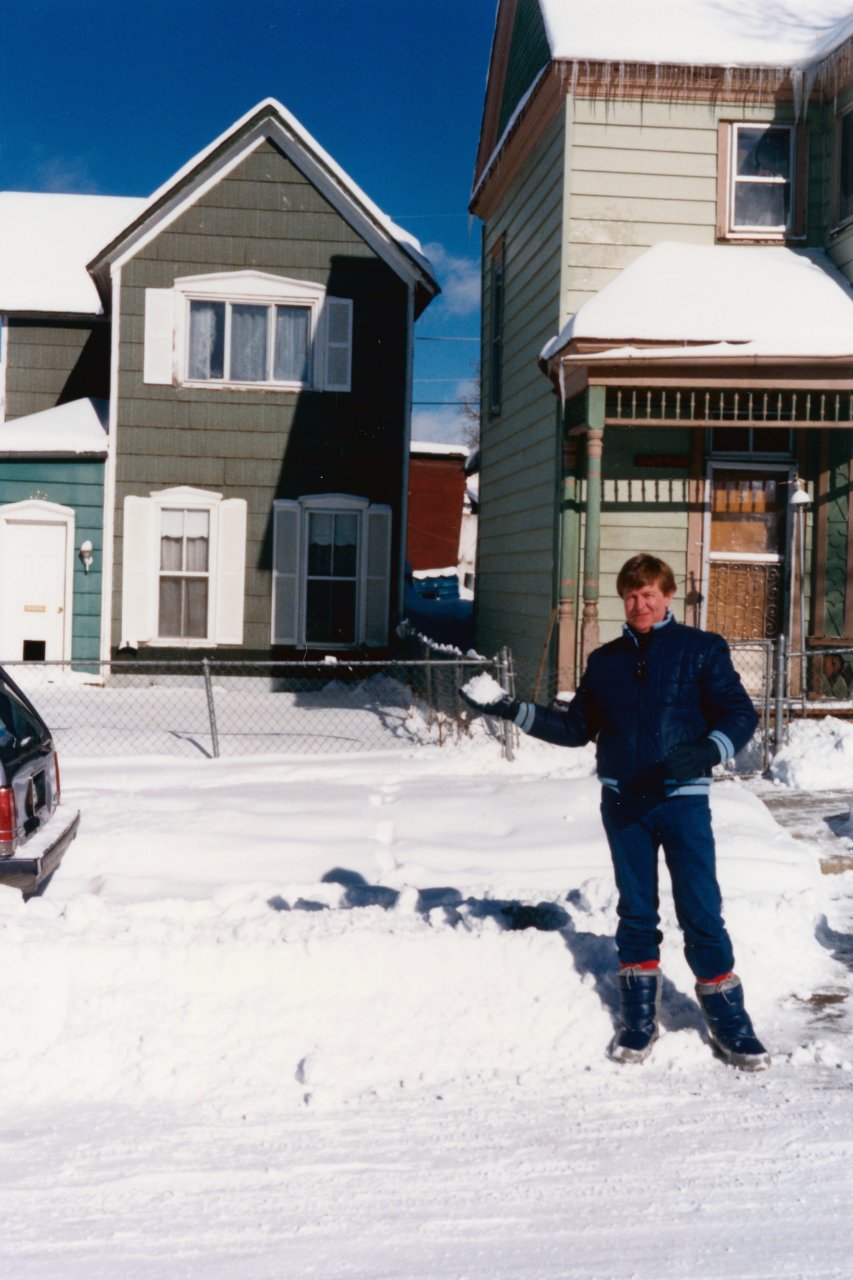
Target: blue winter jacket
point(641, 696)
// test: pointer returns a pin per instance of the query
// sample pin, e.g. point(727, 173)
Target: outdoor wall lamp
point(86, 555)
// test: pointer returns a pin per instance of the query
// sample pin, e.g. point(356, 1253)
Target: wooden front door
point(747, 543)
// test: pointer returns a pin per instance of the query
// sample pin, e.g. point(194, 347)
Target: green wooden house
point(205, 404)
point(666, 194)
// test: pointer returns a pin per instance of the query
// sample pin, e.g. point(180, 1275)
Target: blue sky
point(111, 97)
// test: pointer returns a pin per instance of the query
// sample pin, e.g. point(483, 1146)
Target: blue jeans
point(636, 830)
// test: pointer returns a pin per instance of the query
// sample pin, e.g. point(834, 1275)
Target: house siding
point(646, 172)
point(50, 363)
point(258, 444)
point(840, 242)
point(520, 445)
point(77, 483)
point(529, 54)
point(837, 579)
point(642, 509)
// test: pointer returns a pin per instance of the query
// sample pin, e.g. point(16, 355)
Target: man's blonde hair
point(643, 571)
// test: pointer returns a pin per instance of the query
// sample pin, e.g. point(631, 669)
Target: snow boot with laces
point(639, 996)
point(729, 1025)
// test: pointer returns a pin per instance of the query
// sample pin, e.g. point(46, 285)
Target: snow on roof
point(439, 449)
point(780, 301)
point(758, 33)
point(80, 426)
point(46, 241)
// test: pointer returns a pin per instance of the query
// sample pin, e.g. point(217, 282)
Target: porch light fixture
point(86, 555)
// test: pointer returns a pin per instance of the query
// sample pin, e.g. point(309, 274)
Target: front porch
point(728, 456)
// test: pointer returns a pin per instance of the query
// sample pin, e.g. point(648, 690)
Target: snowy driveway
point(281, 1018)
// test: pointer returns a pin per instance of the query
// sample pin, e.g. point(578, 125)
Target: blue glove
point(505, 708)
point(693, 760)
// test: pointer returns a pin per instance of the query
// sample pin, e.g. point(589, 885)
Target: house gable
point(271, 124)
point(528, 56)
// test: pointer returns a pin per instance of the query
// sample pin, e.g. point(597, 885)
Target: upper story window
point(248, 329)
point(249, 342)
point(762, 182)
point(844, 144)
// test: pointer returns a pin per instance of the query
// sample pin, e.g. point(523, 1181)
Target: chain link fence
point(211, 708)
point(818, 707)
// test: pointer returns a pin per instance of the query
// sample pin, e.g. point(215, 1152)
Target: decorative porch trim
point(664, 406)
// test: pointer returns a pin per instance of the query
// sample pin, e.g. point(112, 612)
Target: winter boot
point(729, 1024)
point(639, 995)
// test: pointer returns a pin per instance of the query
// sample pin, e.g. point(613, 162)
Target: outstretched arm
point(573, 727)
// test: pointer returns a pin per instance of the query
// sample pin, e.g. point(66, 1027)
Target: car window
point(17, 724)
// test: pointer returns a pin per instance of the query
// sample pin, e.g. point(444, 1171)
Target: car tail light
point(57, 788)
point(8, 816)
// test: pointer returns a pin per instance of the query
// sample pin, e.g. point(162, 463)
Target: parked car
point(35, 830)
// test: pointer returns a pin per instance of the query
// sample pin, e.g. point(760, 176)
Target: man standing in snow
point(664, 704)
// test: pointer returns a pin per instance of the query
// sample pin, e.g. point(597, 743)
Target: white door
point(35, 578)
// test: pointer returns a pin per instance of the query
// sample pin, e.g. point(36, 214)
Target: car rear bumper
point(43, 854)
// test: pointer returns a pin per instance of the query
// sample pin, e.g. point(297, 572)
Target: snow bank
point(818, 757)
point(270, 934)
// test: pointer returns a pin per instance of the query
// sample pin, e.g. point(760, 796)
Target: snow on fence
point(215, 708)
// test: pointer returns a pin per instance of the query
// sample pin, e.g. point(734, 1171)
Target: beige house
point(666, 194)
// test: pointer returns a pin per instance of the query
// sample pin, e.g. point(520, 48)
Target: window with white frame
point(248, 329)
point(331, 572)
point(184, 578)
point(761, 179)
point(183, 568)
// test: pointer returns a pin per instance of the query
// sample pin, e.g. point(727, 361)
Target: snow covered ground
point(346, 1016)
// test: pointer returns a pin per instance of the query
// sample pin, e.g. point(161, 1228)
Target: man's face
point(645, 606)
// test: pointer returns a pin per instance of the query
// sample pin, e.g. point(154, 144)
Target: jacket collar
point(644, 639)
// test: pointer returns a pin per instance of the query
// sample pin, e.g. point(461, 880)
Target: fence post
point(768, 680)
point(211, 707)
point(506, 678)
point(781, 667)
point(429, 698)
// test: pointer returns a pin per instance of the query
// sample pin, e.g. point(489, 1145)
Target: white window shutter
point(286, 579)
point(139, 572)
point(157, 360)
point(377, 578)
point(230, 571)
point(337, 319)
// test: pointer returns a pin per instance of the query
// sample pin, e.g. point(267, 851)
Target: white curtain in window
point(171, 540)
point(207, 340)
point(248, 343)
point(198, 540)
point(291, 344)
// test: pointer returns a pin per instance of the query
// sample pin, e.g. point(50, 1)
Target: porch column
point(592, 534)
point(566, 621)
